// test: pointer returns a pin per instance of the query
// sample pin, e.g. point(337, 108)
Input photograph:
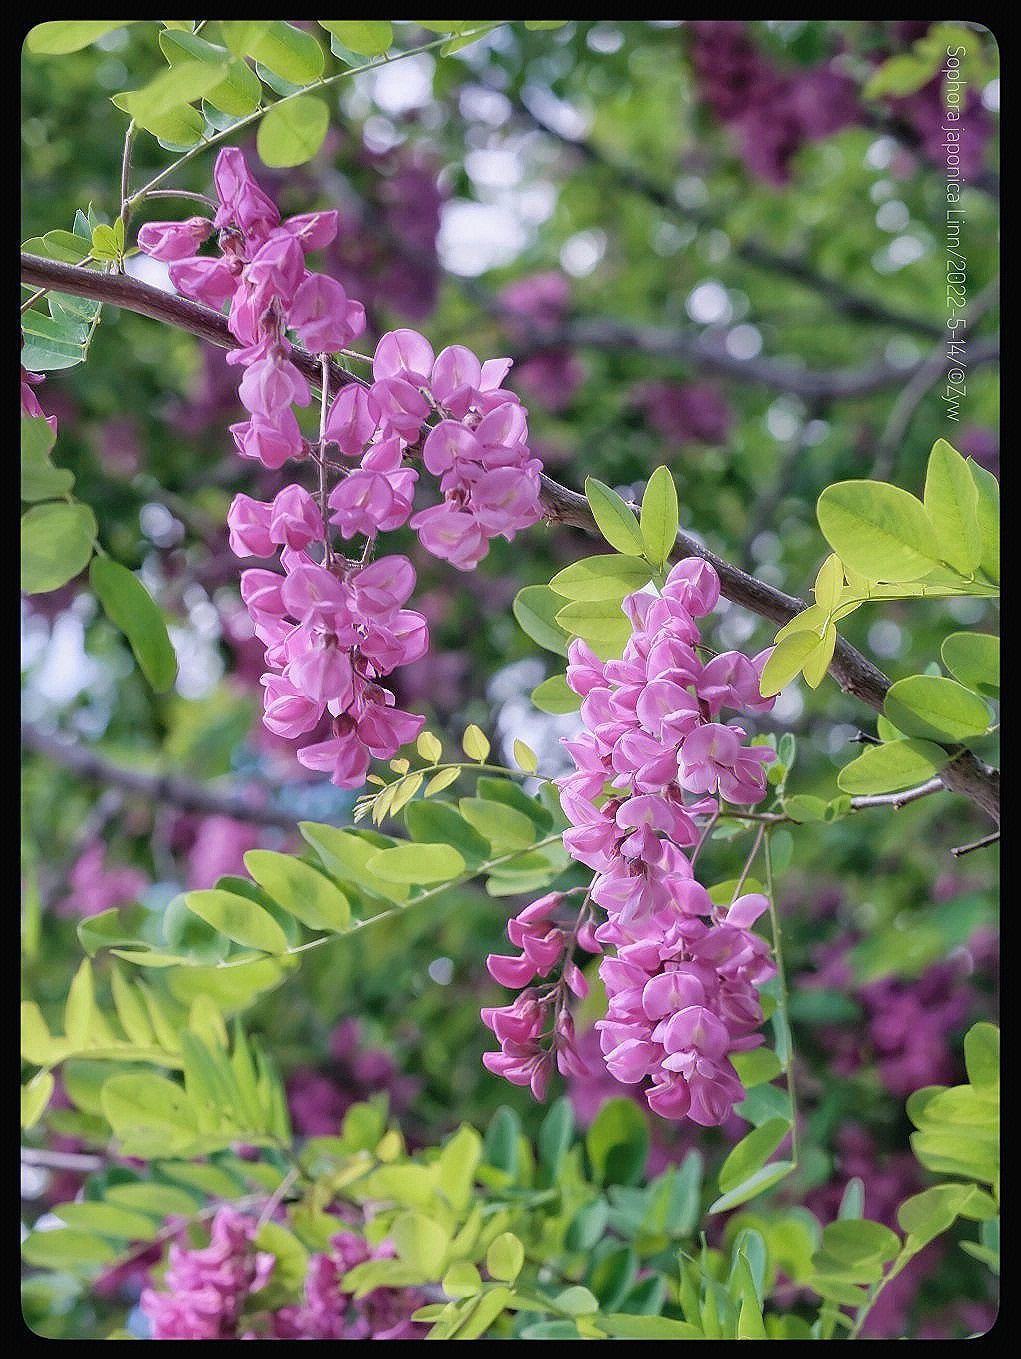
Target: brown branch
point(703, 351)
point(854, 672)
point(246, 803)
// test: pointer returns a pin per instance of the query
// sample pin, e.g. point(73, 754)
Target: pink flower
point(203, 278)
point(323, 317)
point(353, 419)
point(403, 354)
point(295, 520)
point(173, 240)
point(249, 523)
point(271, 442)
point(451, 534)
point(312, 230)
point(242, 202)
point(270, 386)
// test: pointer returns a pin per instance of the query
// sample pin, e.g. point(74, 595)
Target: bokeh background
point(704, 246)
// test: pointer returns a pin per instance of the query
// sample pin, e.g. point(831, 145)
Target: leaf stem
point(781, 1000)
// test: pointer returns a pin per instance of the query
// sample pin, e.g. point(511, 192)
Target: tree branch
point(854, 672)
point(703, 351)
point(239, 803)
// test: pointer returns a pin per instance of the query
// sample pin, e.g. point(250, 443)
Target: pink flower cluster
point(334, 627)
point(206, 1289)
point(539, 1012)
point(261, 273)
point(682, 984)
point(328, 1313)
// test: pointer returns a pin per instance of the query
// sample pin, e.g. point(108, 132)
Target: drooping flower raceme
point(333, 627)
point(682, 978)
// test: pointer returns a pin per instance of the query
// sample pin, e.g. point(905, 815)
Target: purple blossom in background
point(684, 413)
point(95, 886)
point(205, 1290)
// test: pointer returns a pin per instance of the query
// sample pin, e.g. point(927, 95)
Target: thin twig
point(976, 844)
point(79, 1162)
point(898, 800)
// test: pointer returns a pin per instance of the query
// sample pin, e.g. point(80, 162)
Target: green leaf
point(62, 36)
point(438, 822)
point(66, 1248)
point(829, 583)
point(615, 521)
point(817, 663)
point(169, 91)
point(610, 576)
point(238, 93)
point(505, 1257)
point(892, 766)
point(367, 37)
point(925, 1216)
point(555, 1134)
point(462, 1280)
point(535, 607)
point(109, 1219)
point(617, 1143)
point(803, 807)
point(104, 242)
point(988, 519)
point(418, 863)
point(131, 1010)
point(554, 696)
point(757, 1183)
point(56, 544)
point(625, 1326)
point(854, 1242)
point(600, 622)
point(982, 1056)
point(238, 918)
point(504, 827)
point(292, 130)
point(577, 1300)
point(150, 1115)
point(303, 891)
point(756, 1067)
point(951, 502)
point(40, 480)
point(421, 1243)
point(659, 516)
point(347, 855)
point(130, 607)
point(51, 341)
point(786, 661)
point(286, 51)
point(935, 708)
point(588, 1225)
point(35, 1095)
point(525, 757)
point(752, 1152)
point(877, 529)
point(475, 744)
point(974, 659)
point(149, 1196)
